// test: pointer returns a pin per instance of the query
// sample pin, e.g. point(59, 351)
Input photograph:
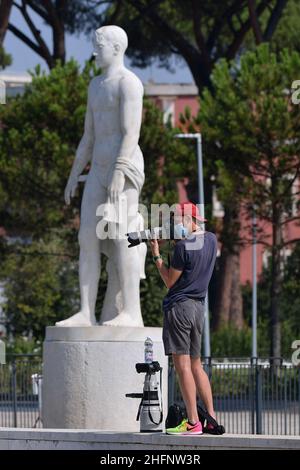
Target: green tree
point(39, 281)
point(52, 13)
point(40, 131)
point(286, 31)
point(5, 59)
point(5, 9)
point(289, 304)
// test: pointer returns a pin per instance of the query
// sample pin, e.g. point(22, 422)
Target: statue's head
point(110, 44)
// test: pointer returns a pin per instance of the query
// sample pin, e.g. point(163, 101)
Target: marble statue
point(110, 144)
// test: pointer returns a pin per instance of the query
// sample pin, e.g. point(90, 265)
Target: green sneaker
point(180, 429)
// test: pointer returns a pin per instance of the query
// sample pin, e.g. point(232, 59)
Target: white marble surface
point(88, 370)
point(103, 333)
point(110, 145)
point(93, 439)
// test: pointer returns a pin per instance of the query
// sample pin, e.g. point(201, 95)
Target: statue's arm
point(83, 152)
point(131, 107)
point(85, 147)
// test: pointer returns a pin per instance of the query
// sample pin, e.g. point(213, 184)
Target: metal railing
point(19, 405)
point(251, 396)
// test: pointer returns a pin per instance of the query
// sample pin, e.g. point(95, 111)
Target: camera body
point(147, 367)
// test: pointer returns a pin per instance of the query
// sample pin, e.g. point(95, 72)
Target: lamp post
point(197, 137)
point(254, 285)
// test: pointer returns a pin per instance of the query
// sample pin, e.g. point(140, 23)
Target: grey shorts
point(183, 326)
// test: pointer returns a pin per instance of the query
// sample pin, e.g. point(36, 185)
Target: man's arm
point(83, 152)
point(86, 144)
point(168, 275)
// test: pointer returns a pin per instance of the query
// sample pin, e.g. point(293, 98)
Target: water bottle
point(148, 350)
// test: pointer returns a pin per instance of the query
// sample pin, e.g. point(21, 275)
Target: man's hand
point(154, 247)
point(70, 189)
point(168, 275)
point(117, 185)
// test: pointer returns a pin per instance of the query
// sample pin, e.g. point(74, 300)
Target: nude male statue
point(110, 144)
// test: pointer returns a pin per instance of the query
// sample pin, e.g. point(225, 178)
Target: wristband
point(155, 258)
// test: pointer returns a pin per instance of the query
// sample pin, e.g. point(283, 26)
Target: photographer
point(187, 279)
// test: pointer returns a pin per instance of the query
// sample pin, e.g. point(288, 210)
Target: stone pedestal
point(88, 370)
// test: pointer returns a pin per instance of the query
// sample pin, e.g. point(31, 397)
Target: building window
point(168, 108)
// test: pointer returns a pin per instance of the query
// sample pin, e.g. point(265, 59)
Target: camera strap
point(139, 410)
point(169, 255)
point(161, 402)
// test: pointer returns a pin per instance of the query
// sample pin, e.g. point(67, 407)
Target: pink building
point(173, 98)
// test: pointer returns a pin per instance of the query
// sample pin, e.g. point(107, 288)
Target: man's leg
point(203, 385)
point(182, 363)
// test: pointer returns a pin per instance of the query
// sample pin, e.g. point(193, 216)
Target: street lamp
point(197, 136)
point(254, 285)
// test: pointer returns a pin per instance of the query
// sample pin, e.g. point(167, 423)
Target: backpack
point(209, 424)
point(176, 414)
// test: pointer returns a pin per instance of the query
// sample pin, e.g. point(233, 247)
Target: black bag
point(175, 416)
point(210, 426)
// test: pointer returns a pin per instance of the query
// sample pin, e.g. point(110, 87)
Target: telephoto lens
point(135, 238)
point(165, 232)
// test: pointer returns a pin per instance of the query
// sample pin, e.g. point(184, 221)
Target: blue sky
point(80, 48)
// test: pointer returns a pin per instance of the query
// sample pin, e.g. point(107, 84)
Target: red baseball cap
point(188, 208)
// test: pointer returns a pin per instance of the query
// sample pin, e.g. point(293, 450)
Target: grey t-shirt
point(195, 256)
